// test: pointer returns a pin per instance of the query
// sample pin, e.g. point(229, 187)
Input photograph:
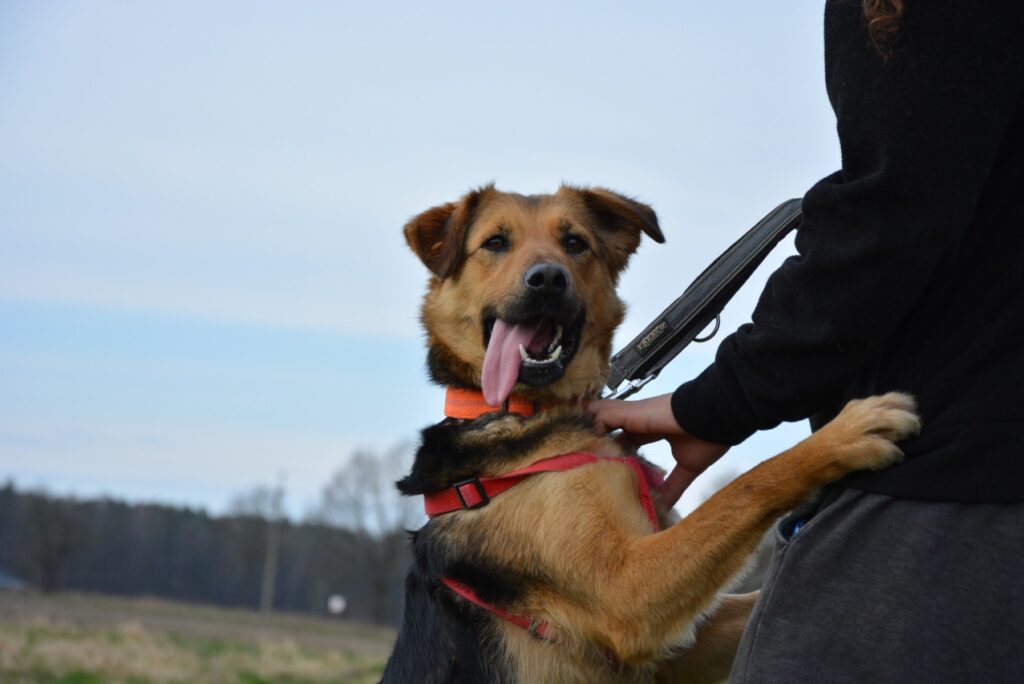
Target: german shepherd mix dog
point(548, 557)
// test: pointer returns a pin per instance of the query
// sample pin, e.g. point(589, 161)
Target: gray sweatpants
point(875, 589)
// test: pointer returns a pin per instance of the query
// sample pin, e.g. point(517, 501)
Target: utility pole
point(274, 517)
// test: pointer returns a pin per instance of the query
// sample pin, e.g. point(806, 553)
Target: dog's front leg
point(648, 590)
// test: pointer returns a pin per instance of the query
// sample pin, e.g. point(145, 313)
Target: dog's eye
point(574, 244)
point(496, 243)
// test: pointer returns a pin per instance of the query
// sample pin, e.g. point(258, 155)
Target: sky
point(203, 281)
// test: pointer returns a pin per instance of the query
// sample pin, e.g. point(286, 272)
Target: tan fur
point(624, 601)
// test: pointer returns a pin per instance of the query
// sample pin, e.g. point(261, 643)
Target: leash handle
point(677, 326)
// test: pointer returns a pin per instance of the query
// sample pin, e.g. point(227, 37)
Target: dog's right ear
point(438, 235)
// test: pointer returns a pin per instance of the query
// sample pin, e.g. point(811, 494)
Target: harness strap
point(477, 492)
point(537, 628)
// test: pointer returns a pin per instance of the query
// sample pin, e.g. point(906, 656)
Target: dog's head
point(523, 289)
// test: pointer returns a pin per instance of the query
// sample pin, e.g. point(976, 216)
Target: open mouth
point(534, 352)
point(544, 344)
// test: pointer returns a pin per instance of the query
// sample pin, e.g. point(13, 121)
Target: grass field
point(88, 639)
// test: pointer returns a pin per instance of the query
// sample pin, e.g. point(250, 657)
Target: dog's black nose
point(548, 278)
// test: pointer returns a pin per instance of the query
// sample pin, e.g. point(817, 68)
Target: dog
point(549, 557)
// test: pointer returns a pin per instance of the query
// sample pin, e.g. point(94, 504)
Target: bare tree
point(361, 495)
point(362, 498)
point(265, 503)
point(257, 502)
point(270, 558)
point(52, 532)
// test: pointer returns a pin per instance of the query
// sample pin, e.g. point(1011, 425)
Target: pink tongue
point(502, 360)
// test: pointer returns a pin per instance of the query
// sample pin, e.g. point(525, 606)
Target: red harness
point(478, 492)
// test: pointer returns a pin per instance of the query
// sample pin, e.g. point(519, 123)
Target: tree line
point(354, 545)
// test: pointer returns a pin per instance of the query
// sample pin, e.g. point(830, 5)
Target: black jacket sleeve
point(918, 131)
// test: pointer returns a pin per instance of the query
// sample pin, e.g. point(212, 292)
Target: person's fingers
point(644, 416)
point(607, 414)
point(611, 414)
point(650, 420)
point(675, 484)
point(696, 455)
point(653, 416)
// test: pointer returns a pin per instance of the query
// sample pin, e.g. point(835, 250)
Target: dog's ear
point(438, 234)
point(618, 221)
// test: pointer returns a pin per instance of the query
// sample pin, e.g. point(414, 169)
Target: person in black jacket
point(909, 276)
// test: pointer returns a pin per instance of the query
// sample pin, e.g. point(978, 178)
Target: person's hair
point(883, 19)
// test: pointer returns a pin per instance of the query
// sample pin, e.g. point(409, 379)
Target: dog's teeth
point(556, 339)
point(552, 356)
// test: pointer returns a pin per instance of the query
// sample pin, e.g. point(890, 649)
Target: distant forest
point(355, 546)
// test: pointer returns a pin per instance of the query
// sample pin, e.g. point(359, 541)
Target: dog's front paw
point(865, 431)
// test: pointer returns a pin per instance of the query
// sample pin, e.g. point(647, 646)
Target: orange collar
point(469, 404)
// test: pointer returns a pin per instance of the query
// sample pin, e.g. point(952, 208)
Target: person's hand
point(649, 420)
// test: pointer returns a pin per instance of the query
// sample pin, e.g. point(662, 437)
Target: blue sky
point(202, 276)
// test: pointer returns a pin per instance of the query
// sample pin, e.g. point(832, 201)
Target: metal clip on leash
point(702, 302)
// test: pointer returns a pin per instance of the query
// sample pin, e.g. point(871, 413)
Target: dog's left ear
point(437, 235)
point(618, 221)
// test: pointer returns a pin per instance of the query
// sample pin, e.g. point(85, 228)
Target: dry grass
point(79, 639)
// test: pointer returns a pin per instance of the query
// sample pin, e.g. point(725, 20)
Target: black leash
point(641, 360)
